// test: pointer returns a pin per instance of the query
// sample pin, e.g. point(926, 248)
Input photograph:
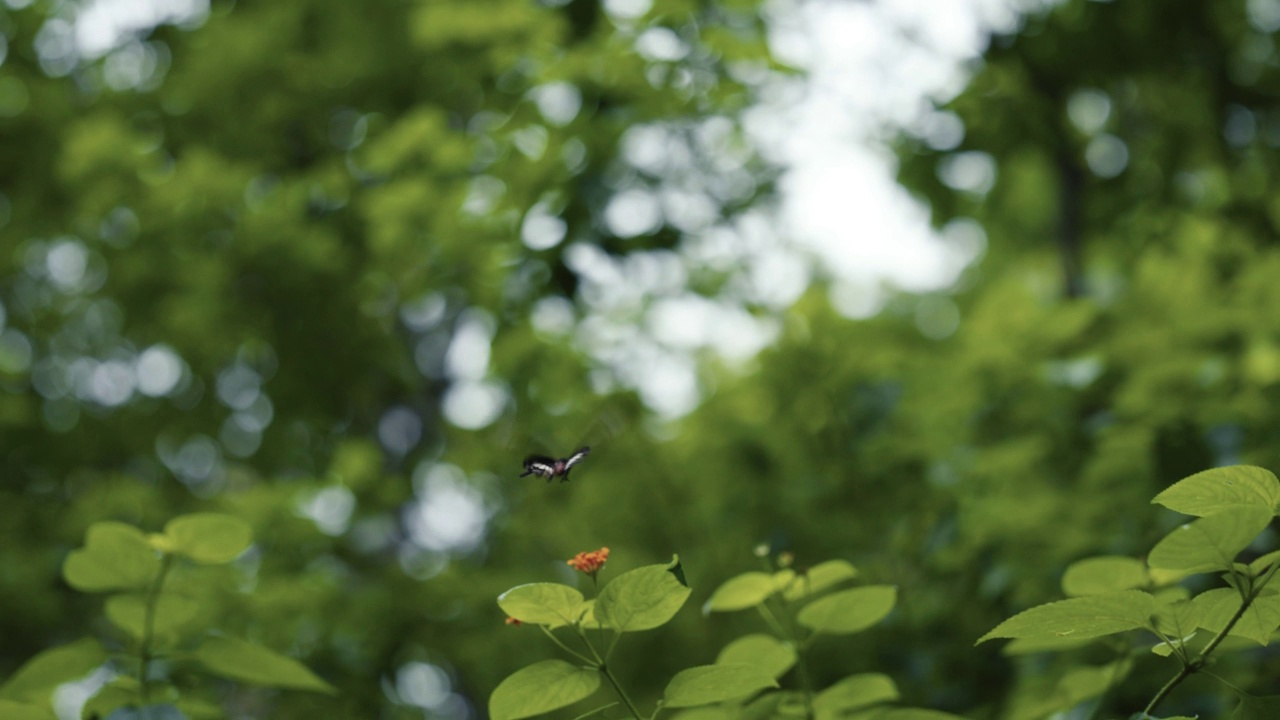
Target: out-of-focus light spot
point(633, 212)
point(399, 430)
point(627, 9)
point(1107, 156)
point(661, 44)
point(56, 47)
point(197, 462)
point(449, 515)
point(4, 48)
point(778, 278)
point(1077, 373)
point(941, 131)
point(374, 534)
point(937, 317)
point(531, 141)
point(421, 564)
point(1264, 15)
point(238, 386)
point(559, 102)
point(688, 211)
point(4, 315)
point(424, 313)
point(60, 414)
point(973, 172)
point(468, 354)
point(66, 262)
point(102, 25)
point(132, 65)
point(553, 316)
point(347, 129)
point(1240, 127)
point(653, 149)
point(857, 300)
point(966, 241)
point(14, 97)
point(574, 155)
point(158, 369)
point(473, 404)
point(483, 196)
point(15, 352)
point(257, 417)
point(541, 229)
point(330, 509)
point(69, 698)
point(238, 440)
point(112, 382)
point(1089, 110)
point(120, 227)
point(671, 385)
point(422, 685)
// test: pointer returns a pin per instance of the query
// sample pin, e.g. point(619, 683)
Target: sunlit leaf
point(210, 538)
point(643, 598)
point(1216, 608)
point(541, 687)
point(820, 577)
point(766, 652)
point(741, 592)
point(247, 662)
point(715, 683)
point(856, 691)
point(849, 611)
point(1221, 489)
point(170, 612)
point(550, 604)
point(10, 710)
point(1209, 543)
point(1083, 617)
point(115, 556)
point(1102, 575)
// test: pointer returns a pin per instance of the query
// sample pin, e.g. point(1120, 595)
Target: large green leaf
point(643, 598)
point(1102, 575)
point(210, 538)
point(1216, 607)
point(764, 651)
point(715, 683)
point(245, 661)
point(541, 687)
point(820, 577)
point(742, 591)
point(915, 714)
point(37, 677)
point(856, 691)
point(849, 611)
point(1209, 543)
point(10, 710)
point(549, 604)
point(171, 612)
point(1221, 489)
point(115, 556)
point(1083, 617)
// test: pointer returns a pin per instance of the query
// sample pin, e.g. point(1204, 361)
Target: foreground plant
point(1114, 597)
point(162, 586)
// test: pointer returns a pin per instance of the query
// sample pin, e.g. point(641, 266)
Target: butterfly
point(549, 467)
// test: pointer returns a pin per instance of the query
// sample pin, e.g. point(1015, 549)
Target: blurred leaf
point(1257, 708)
point(542, 687)
point(116, 556)
point(741, 592)
point(35, 680)
point(548, 604)
point(856, 691)
point(10, 710)
point(763, 651)
point(247, 662)
point(129, 612)
point(643, 598)
point(1209, 543)
point(1102, 575)
point(1084, 617)
point(715, 683)
point(209, 538)
point(849, 611)
point(819, 578)
point(1238, 487)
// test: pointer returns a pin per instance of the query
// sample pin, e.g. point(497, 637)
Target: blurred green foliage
point(236, 256)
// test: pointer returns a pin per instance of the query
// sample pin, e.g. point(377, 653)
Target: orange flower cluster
point(590, 562)
point(513, 621)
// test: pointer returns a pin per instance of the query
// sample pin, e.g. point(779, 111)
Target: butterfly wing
point(539, 465)
point(576, 458)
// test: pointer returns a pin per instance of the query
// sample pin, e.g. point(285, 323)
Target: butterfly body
point(551, 468)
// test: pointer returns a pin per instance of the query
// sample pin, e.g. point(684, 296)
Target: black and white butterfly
point(550, 468)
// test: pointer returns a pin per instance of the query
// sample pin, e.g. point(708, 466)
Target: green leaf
point(129, 613)
point(1266, 707)
point(1102, 575)
point(849, 611)
point(1216, 608)
point(10, 710)
point(550, 604)
point(820, 577)
point(766, 652)
point(643, 598)
point(245, 661)
point(1028, 646)
point(37, 677)
point(744, 591)
point(1083, 617)
point(915, 714)
point(1221, 489)
point(1076, 686)
point(115, 556)
point(1264, 563)
point(541, 687)
point(1210, 543)
point(209, 538)
point(715, 683)
point(120, 692)
point(856, 691)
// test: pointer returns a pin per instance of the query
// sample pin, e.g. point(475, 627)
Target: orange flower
point(590, 562)
point(513, 621)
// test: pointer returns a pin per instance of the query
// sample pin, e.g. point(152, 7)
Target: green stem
point(635, 712)
point(145, 655)
point(564, 647)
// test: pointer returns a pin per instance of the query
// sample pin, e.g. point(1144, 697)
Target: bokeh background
point(336, 267)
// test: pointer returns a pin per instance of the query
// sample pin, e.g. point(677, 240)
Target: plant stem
point(635, 712)
point(148, 634)
point(564, 647)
